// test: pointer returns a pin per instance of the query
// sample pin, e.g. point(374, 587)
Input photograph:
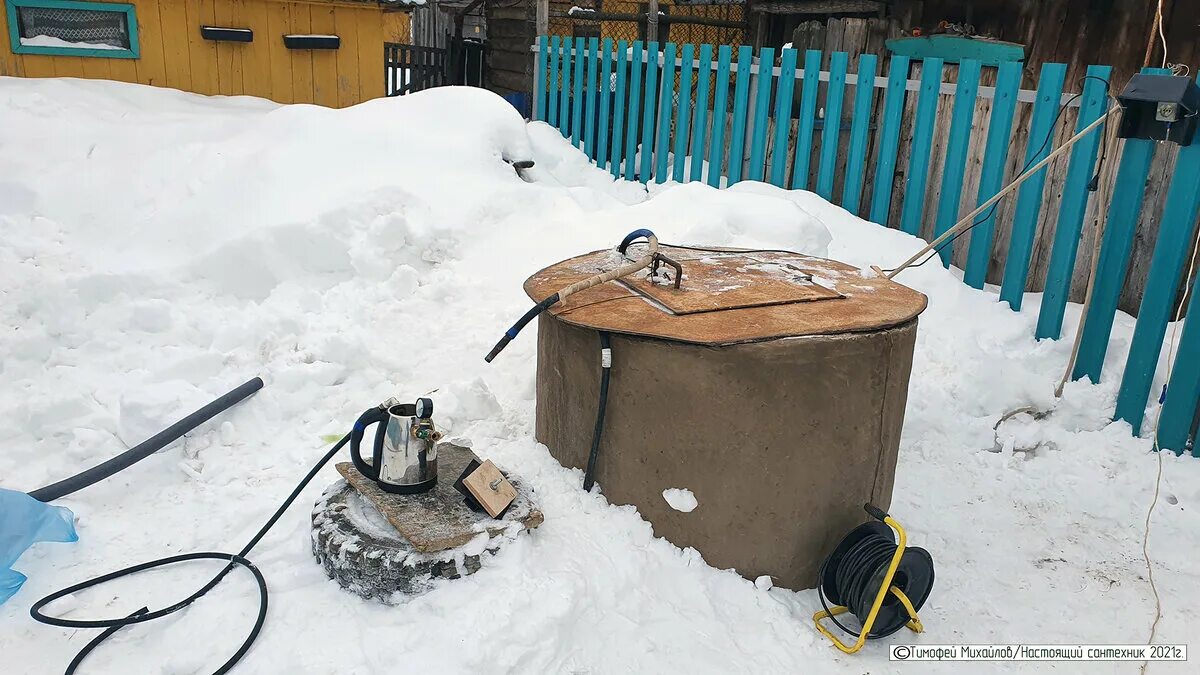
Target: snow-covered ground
point(157, 248)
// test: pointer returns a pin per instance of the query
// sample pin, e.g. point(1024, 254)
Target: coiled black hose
point(144, 614)
point(147, 447)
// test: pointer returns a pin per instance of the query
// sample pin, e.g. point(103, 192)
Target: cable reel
point(873, 575)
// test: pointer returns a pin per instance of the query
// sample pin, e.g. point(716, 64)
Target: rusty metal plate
point(719, 281)
point(869, 302)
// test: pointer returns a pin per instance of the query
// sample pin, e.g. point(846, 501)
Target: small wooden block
point(491, 488)
point(439, 519)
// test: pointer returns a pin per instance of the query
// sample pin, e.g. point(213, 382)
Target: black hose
point(589, 476)
point(521, 323)
point(147, 447)
point(143, 615)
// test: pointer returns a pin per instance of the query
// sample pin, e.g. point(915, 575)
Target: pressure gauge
point(424, 408)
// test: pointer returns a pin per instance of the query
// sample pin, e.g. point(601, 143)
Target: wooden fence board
point(683, 115)
point(959, 143)
point(577, 93)
point(539, 85)
point(635, 92)
point(833, 124)
point(649, 107)
point(1074, 205)
point(1029, 195)
point(856, 157)
point(700, 126)
point(808, 114)
point(716, 150)
point(1008, 82)
point(589, 119)
point(762, 112)
point(619, 106)
point(889, 144)
point(662, 139)
point(552, 82)
point(1183, 392)
point(1170, 256)
point(918, 173)
point(1114, 257)
point(737, 136)
point(605, 103)
point(783, 114)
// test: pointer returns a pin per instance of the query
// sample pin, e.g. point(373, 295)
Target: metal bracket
point(662, 259)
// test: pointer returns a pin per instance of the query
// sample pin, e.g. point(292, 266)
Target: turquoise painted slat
point(741, 101)
point(783, 116)
point(619, 105)
point(808, 115)
point(1158, 299)
point(605, 103)
point(589, 119)
point(912, 207)
point(666, 98)
point(1183, 391)
point(979, 251)
point(564, 94)
point(716, 150)
point(577, 99)
point(889, 142)
point(834, 96)
point(552, 79)
point(648, 112)
point(683, 115)
point(762, 113)
point(856, 156)
point(1029, 195)
point(700, 125)
point(539, 112)
point(635, 92)
point(1114, 256)
point(956, 152)
point(1075, 195)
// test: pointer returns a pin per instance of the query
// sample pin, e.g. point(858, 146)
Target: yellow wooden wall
point(174, 55)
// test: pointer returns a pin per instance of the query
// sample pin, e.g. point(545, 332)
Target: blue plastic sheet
point(25, 521)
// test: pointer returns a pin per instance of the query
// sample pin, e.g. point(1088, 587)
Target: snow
point(158, 248)
point(680, 499)
point(50, 41)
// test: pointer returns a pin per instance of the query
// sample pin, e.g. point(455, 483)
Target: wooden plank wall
point(510, 33)
point(174, 55)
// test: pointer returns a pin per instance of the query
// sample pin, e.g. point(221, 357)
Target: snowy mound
point(157, 248)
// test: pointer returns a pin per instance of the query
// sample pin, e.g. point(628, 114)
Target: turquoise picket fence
point(695, 113)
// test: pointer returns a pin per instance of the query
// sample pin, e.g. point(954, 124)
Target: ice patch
point(680, 499)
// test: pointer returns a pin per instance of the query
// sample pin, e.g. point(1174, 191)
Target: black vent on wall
point(226, 34)
point(312, 41)
point(221, 34)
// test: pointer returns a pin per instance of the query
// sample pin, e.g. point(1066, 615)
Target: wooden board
point(719, 281)
point(493, 499)
point(439, 519)
point(869, 303)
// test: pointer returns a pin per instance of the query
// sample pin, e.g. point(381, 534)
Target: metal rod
point(966, 220)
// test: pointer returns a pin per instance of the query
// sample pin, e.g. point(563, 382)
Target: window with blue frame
point(72, 28)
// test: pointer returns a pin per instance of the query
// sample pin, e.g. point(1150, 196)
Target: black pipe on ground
point(147, 447)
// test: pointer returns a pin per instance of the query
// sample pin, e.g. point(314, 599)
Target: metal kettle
point(404, 456)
